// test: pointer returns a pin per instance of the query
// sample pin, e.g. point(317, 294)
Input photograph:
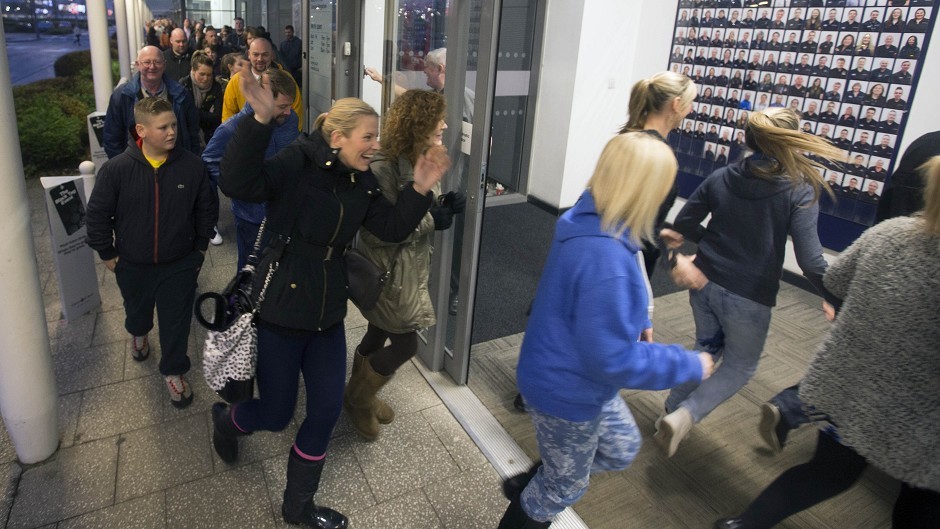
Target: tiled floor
point(129, 459)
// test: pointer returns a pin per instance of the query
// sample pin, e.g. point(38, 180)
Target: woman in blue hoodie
point(583, 342)
point(755, 204)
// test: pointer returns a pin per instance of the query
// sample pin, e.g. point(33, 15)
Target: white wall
point(593, 52)
point(555, 92)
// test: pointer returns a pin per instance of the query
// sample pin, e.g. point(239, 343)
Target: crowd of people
point(209, 111)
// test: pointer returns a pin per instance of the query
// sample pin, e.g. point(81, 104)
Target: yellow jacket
point(234, 101)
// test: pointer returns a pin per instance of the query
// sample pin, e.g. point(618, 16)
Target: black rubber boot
point(514, 486)
point(224, 433)
point(516, 518)
point(303, 480)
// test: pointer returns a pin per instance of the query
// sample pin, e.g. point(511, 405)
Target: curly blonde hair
point(409, 123)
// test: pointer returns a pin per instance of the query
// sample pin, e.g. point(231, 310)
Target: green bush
point(71, 64)
point(51, 116)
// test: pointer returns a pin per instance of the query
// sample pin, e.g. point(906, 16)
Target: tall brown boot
point(383, 412)
point(359, 399)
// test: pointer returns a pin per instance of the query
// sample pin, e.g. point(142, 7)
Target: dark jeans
point(245, 234)
point(832, 470)
point(321, 358)
point(171, 288)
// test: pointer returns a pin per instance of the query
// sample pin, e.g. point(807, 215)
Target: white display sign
point(74, 259)
point(96, 139)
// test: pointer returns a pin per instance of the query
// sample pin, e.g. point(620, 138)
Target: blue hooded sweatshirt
point(580, 347)
point(283, 136)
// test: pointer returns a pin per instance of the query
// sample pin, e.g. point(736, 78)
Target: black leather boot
point(514, 486)
point(516, 518)
point(303, 481)
point(224, 433)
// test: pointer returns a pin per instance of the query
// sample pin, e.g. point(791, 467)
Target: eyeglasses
point(150, 64)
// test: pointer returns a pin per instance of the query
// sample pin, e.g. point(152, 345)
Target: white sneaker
point(671, 429)
point(217, 240)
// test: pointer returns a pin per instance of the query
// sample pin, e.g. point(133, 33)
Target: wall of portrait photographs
point(850, 69)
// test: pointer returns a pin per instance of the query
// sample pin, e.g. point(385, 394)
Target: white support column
point(100, 52)
point(27, 382)
point(134, 31)
point(120, 30)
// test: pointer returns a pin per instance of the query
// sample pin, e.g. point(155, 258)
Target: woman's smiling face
point(356, 150)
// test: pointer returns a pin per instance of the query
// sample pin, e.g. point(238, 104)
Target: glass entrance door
point(488, 122)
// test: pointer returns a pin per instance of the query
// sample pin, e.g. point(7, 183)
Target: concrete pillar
point(27, 382)
point(120, 30)
point(100, 52)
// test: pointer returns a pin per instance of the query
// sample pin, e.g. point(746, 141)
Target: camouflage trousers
point(572, 451)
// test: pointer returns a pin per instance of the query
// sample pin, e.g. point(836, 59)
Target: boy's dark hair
point(149, 107)
point(290, 27)
point(281, 83)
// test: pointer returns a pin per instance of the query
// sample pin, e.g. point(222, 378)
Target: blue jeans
point(245, 234)
point(572, 451)
point(733, 327)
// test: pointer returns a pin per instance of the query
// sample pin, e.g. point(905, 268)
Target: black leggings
point(386, 360)
point(832, 470)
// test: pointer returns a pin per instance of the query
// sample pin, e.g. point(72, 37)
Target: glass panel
point(320, 53)
point(419, 28)
point(513, 68)
point(459, 176)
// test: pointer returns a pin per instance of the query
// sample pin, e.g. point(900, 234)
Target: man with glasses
point(149, 81)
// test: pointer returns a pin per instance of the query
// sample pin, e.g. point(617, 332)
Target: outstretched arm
point(374, 74)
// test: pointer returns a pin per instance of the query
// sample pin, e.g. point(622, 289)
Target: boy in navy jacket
point(150, 218)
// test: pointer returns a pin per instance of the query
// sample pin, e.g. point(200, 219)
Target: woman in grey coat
point(875, 379)
point(413, 123)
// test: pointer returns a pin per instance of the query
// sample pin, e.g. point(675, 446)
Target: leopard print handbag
point(230, 354)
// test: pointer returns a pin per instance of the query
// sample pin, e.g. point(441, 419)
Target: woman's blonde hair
point(931, 171)
point(633, 175)
point(343, 116)
point(655, 94)
point(775, 133)
point(410, 121)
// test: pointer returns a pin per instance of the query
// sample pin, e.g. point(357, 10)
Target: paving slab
point(147, 512)
point(72, 482)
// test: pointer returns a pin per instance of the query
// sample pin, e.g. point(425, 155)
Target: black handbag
point(367, 279)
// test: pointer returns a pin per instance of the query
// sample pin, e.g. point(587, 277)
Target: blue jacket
point(212, 157)
point(119, 120)
point(580, 347)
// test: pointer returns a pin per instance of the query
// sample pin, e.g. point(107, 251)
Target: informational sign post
point(96, 139)
point(74, 260)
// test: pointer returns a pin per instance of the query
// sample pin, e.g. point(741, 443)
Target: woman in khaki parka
point(414, 122)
